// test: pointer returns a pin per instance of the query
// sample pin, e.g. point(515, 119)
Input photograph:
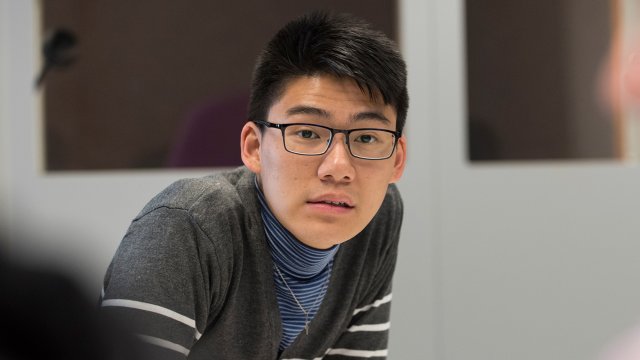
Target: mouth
point(333, 203)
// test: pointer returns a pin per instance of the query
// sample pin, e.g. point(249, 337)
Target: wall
point(5, 144)
point(416, 318)
point(537, 260)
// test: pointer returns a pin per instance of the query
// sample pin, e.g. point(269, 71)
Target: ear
point(400, 159)
point(250, 139)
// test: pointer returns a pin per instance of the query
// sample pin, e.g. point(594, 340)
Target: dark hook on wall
point(56, 51)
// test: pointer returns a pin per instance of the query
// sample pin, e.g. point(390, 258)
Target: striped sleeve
point(155, 285)
point(367, 335)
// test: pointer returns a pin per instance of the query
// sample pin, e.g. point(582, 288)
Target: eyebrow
point(371, 115)
point(310, 110)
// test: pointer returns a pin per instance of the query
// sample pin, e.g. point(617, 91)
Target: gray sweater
point(193, 278)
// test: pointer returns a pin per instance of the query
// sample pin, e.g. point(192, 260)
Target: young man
point(291, 256)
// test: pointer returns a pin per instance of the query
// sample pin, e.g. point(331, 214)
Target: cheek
point(376, 176)
point(287, 179)
point(374, 185)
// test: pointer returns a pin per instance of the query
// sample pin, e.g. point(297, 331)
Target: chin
point(323, 239)
point(324, 242)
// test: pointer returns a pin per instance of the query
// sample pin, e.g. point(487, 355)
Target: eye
point(307, 134)
point(366, 139)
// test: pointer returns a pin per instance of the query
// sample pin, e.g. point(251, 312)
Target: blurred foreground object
point(619, 81)
point(625, 348)
point(45, 315)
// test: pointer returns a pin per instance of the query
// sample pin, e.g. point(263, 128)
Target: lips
point(334, 203)
point(333, 200)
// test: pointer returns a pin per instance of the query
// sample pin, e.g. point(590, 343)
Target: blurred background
point(521, 192)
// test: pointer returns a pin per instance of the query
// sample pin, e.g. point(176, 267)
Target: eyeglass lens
point(314, 140)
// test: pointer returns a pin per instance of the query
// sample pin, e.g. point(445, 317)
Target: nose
point(336, 165)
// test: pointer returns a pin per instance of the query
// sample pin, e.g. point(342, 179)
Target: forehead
point(333, 98)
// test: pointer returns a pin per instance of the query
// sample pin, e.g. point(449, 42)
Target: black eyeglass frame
point(282, 127)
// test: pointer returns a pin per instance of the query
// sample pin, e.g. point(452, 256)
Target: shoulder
point(204, 218)
point(203, 196)
point(218, 206)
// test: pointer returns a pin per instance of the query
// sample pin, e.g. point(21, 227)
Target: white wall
point(5, 145)
point(504, 261)
point(416, 318)
point(536, 260)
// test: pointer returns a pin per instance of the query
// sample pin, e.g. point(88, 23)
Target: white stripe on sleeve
point(370, 327)
point(164, 344)
point(376, 303)
point(154, 309)
point(358, 353)
point(351, 353)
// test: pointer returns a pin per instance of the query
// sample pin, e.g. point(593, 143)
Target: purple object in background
point(210, 135)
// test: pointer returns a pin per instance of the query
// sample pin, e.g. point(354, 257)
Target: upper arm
point(160, 281)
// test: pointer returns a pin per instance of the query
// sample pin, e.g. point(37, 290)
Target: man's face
point(300, 189)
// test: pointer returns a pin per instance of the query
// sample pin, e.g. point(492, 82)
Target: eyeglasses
point(310, 139)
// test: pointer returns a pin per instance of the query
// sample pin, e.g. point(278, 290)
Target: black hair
point(340, 45)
